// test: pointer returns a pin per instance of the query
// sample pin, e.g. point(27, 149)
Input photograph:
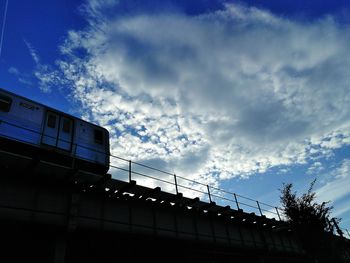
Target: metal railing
point(190, 188)
point(128, 170)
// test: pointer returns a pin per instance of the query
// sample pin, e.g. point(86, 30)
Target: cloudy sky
point(244, 96)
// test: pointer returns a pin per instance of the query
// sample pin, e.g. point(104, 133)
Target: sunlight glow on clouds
point(223, 94)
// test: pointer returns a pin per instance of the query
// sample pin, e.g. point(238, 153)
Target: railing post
point(340, 233)
point(129, 171)
point(209, 194)
point(278, 213)
point(236, 200)
point(259, 208)
point(177, 190)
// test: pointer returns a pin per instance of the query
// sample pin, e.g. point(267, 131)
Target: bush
point(310, 221)
point(304, 211)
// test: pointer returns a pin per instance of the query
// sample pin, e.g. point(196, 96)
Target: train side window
point(51, 121)
point(98, 136)
point(66, 127)
point(5, 103)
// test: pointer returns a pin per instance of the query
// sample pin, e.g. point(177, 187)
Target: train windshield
point(98, 136)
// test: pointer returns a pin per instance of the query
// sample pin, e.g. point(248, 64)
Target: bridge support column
point(60, 248)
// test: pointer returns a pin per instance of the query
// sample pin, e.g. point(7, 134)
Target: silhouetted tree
point(309, 220)
point(304, 211)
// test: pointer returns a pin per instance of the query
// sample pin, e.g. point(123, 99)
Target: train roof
point(50, 108)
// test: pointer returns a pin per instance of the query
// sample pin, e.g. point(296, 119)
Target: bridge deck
point(90, 216)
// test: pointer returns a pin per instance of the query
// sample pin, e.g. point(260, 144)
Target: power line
point(3, 26)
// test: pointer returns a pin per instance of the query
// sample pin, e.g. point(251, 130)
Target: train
point(39, 132)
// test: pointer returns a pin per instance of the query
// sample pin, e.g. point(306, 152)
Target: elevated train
point(31, 129)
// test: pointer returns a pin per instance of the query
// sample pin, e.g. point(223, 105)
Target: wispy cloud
point(315, 168)
point(22, 77)
point(32, 51)
point(47, 76)
point(223, 94)
point(337, 188)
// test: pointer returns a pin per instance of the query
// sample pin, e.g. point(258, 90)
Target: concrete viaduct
point(53, 214)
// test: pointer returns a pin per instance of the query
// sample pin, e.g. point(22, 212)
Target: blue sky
point(242, 95)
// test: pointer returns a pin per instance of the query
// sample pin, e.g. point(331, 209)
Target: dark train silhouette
point(36, 131)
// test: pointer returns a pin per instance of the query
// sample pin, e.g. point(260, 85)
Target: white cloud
point(47, 77)
point(315, 168)
point(44, 73)
point(228, 93)
point(336, 190)
point(344, 170)
point(338, 186)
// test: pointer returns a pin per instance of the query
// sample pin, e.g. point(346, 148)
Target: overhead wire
point(3, 26)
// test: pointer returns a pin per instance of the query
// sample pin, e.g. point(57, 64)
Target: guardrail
point(175, 183)
point(127, 170)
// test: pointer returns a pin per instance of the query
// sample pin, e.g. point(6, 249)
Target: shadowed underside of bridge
point(38, 243)
point(51, 214)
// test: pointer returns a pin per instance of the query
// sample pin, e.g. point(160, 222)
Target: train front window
point(5, 103)
point(98, 136)
point(51, 121)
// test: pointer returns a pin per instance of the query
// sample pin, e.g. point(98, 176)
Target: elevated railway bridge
point(51, 213)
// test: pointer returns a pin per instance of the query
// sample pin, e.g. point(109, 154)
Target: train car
point(36, 131)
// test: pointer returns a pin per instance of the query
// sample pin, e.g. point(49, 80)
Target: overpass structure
point(51, 213)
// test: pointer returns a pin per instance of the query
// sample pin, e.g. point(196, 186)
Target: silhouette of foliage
point(310, 221)
point(304, 211)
